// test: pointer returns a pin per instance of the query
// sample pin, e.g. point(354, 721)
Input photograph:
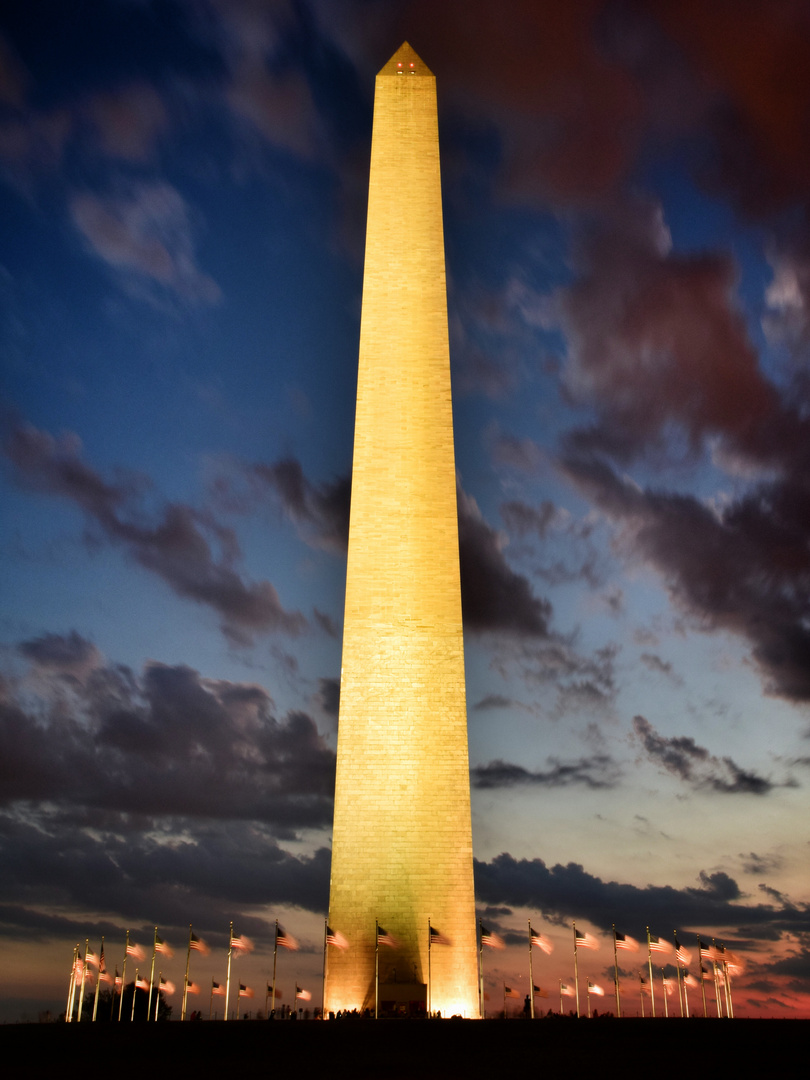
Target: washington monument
point(402, 841)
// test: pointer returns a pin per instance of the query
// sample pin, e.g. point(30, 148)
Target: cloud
point(68, 654)
point(523, 519)
point(581, 682)
point(760, 864)
point(739, 567)
point(57, 869)
point(598, 771)
point(167, 742)
point(319, 512)
point(144, 235)
point(329, 695)
point(494, 597)
point(656, 341)
point(129, 120)
point(188, 549)
point(563, 892)
point(493, 701)
point(682, 757)
point(653, 662)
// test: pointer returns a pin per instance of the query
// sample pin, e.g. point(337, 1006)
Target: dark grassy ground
point(419, 1049)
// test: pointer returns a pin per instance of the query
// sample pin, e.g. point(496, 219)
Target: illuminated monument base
point(402, 841)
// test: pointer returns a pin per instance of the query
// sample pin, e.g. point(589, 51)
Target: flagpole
point(228, 977)
point(481, 1010)
point(211, 1000)
point(664, 989)
point(323, 992)
point(576, 967)
point(98, 980)
point(376, 969)
point(649, 963)
point(616, 974)
point(134, 992)
point(678, 969)
point(531, 975)
point(152, 976)
point(641, 992)
point(84, 975)
point(700, 968)
point(185, 980)
point(561, 1012)
point(71, 985)
point(273, 996)
point(123, 979)
point(729, 1001)
point(685, 997)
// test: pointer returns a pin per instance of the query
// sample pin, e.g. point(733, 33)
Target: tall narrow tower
point(402, 842)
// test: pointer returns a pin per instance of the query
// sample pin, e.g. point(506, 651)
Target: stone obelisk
point(402, 842)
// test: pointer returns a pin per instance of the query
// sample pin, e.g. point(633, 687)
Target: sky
point(625, 191)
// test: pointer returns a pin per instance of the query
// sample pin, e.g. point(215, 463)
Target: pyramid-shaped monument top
point(406, 62)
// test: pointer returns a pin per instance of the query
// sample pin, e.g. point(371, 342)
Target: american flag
point(141, 983)
point(193, 988)
point(584, 941)
point(302, 995)
point(334, 937)
point(593, 988)
point(541, 941)
point(241, 942)
point(217, 989)
point(437, 937)
point(135, 950)
point(245, 991)
point(384, 938)
point(509, 992)
point(285, 940)
point(166, 986)
point(162, 947)
point(566, 990)
point(624, 941)
point(658, 944)
point(489, 937)
point(683, 954)
point(197, 944)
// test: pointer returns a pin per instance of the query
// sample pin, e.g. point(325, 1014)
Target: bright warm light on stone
point(402, 843)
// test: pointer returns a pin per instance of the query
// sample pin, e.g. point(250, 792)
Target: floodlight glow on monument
point(402, 841)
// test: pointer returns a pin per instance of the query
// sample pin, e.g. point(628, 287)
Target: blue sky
point(183, 199)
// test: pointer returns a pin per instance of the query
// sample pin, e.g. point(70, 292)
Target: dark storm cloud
point(598, 771)
point(682, 757)
point(188, 549)
point(740, 568)
point(170, 872)
point(320, 512)
point(494, 597)
point(655, 340)
point(564, 892)
point(167, 742)
point(329, 695)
